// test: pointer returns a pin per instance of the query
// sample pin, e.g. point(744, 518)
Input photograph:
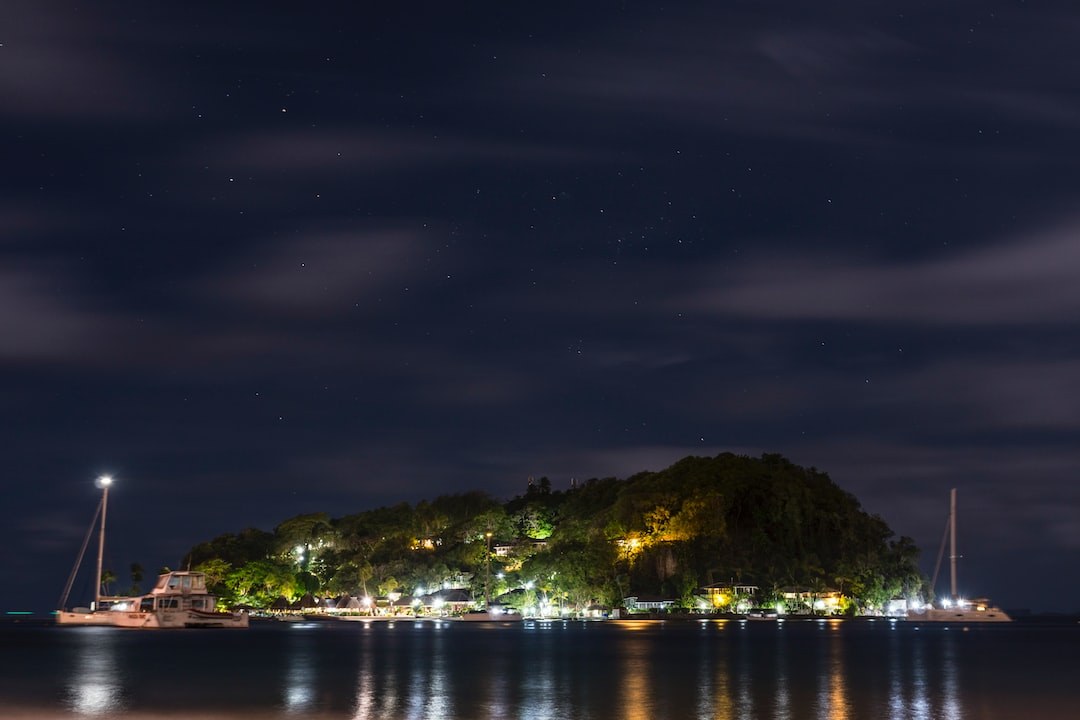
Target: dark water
point(635, 670)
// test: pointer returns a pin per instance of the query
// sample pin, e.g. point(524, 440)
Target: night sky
point(258, 259)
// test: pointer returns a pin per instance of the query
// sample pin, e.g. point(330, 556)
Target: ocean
point(637, 670)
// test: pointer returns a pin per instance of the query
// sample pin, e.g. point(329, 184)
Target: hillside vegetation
point(760, 521)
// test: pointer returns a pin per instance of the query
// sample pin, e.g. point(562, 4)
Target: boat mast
point(952, 542)
point(103, 482)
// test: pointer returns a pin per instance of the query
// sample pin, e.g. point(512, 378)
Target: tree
point(261, 582)
point(107, 578)
point(136, 577)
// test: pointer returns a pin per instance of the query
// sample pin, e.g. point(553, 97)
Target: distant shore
point(1048, 619)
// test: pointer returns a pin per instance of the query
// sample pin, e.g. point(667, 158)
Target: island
point(730, 534)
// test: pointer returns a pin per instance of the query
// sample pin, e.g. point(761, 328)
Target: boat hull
point(959, 615)
point(158, 620)
point(500, 617)
point(87, 619)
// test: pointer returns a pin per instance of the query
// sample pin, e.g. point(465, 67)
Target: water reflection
point(498, 696)
point(782, 702)
point(96, 687)
point(364, 705)
point(838, 704)
point(714, 671)
point(898, 705)
point(926, 683)
point(718, 703)
point(636, 693)
point(429, 692)
point(950, 702)
point(539, 701)
point(300, 675)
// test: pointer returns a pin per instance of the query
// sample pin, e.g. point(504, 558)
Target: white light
point(104, 481)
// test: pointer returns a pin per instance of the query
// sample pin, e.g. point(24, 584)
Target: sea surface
point(636, 670)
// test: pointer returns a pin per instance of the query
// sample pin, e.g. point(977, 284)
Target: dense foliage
point(760, 521)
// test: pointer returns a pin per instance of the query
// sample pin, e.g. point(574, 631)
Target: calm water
point(635, 670)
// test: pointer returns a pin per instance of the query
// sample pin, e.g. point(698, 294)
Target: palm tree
point(107, 576)
point(136, 577)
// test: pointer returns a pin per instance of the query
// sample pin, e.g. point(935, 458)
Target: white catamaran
point(179, 599)
point(954, 608)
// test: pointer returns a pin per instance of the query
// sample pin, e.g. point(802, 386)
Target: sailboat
point(954, 608)
point(179, 599)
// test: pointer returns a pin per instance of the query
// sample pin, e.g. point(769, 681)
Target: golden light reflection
point(722, 707)
point(96, 688)
point(636, 697)
point(834, 703)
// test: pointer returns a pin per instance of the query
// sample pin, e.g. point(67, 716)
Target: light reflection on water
point(636, 692)
point(598, 671)
point(950, 701)
point(300, 675)
point(838, 708)
point(783, 692)
point(95, 688)
point(539, 693)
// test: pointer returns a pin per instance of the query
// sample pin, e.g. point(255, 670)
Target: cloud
point(373, 150)
point(57, 62)
point(322, 271)
point(838, 76)
point(1030, 280)
point(44, 314)
point(993, 394)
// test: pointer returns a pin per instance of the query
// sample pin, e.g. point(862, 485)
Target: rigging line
point(78, 560)
point(941, 552)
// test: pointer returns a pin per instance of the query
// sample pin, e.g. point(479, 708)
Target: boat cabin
point(179, 590)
